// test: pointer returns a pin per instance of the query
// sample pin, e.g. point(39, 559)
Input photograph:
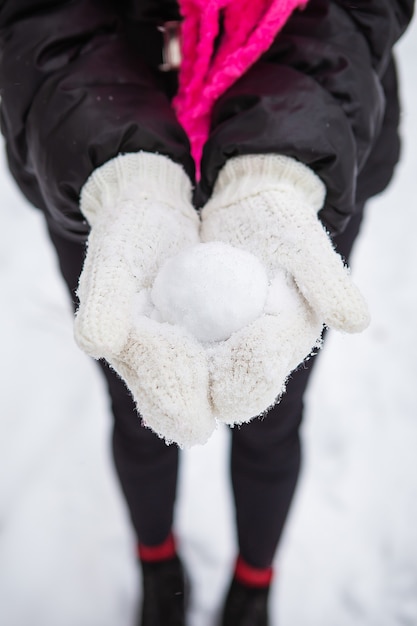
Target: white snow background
point(349, 553)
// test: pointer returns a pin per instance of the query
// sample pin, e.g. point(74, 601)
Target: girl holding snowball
point(177, 137)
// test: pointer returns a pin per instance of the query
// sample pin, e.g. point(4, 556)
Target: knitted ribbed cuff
point(245, 176)
point(136, 176)
point(252, 576)
point(161, 552)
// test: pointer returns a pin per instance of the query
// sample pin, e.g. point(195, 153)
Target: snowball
point(284, 299)
point(211, 289)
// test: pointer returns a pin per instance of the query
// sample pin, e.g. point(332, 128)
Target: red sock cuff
point(161, 552)
point(252, 576)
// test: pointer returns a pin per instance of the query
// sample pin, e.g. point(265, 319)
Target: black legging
point(265, 456)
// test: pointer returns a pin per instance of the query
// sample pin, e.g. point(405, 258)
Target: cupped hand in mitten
point(268, 205)
point(140, 212)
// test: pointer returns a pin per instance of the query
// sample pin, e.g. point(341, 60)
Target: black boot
point(245, 606)
point(164, 593)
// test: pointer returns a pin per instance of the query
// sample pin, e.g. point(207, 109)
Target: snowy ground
point(349, 555)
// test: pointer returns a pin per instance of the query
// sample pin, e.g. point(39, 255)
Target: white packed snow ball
point(211, 289)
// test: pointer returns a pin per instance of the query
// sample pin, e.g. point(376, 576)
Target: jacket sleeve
point(316, 95)
point(74, 96)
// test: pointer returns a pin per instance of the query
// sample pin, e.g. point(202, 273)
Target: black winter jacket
point(80, 84)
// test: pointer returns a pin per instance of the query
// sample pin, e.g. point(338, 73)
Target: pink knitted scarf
point(249, 28)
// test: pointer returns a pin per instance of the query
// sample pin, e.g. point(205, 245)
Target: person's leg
point(147, 469)
point(265, 464)
point(146, 466)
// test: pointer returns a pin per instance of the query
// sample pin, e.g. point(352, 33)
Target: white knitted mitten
point(140, 212)
point(267, 205)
